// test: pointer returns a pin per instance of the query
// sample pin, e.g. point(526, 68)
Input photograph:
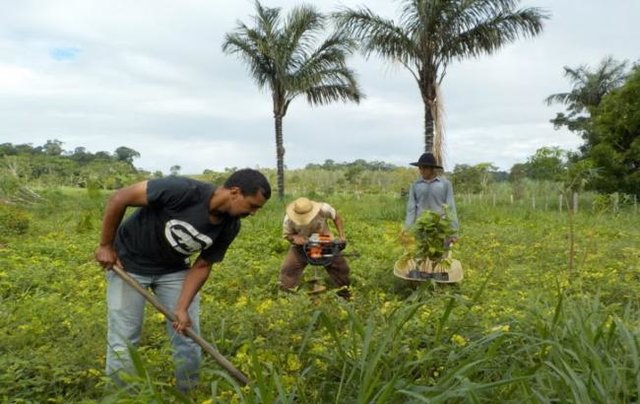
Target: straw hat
point(302, 211)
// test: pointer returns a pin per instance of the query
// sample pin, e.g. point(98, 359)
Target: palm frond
point(486, 36)
point(301, 30)
point(246, 44)
point(267, 19)
point(330, 54)
point(560, 98)
point(590, 86)
point(377, 35)
point(327, 93)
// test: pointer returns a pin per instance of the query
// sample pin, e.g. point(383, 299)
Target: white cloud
point(13, 77)
point(150, 75)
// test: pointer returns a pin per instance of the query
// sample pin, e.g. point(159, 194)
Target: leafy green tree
point(175, 170)
point(103, 155)
point(473, 179)
point(25, 149)
point(589, 87)
point(431, 34)
point(126, 154)
point(616, 142)
point(53, 147)
point(353, 173)
point(7, 149)
point(81, 155)
point(548, 163)
point(282, 56)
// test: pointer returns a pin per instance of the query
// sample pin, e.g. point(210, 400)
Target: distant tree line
point(79, 154)
point(331, 165)
point(50, 164)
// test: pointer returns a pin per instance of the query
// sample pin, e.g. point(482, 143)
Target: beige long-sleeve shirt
point(317, 225)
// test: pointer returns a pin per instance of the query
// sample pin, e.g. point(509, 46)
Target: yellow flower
point(242, 301)
point(501, 328)
point(293, 363)
point(95, 372)
point(320, 364)
point(458, 340)
point(288, 380)
point(264, 306)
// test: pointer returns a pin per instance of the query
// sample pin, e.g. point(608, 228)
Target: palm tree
point(431, 34)
point(588, 89)
point(282, 56)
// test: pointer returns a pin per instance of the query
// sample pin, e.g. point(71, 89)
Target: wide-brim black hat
point(426, 160)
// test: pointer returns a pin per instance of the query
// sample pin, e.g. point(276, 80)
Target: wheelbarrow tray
point(437, 273)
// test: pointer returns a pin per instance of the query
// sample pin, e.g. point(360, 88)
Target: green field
point(547, 312)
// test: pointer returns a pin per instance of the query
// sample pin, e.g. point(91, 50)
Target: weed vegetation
point(525, 325)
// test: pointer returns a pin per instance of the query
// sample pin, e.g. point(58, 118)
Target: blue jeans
point(125, 312)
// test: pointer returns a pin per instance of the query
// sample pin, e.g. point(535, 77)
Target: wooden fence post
point(560, 203)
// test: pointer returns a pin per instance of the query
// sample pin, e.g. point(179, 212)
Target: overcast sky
point(150, 75)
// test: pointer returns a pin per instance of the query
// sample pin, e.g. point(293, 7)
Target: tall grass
point(590, 353)
point(519, 328)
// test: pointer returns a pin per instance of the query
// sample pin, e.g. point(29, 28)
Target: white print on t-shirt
point(184, 238)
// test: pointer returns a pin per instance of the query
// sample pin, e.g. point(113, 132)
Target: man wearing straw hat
point(430, 192)
point(303, 218)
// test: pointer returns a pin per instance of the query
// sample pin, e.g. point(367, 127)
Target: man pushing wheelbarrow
point(432, 224)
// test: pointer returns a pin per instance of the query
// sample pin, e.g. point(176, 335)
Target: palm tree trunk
point(428, 127)
point(438, 128)
point(279, 155)
point(432, 126)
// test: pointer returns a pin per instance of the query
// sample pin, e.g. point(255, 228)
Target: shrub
point(13, 220)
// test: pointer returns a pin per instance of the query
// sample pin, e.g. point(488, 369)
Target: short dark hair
point(250, 182)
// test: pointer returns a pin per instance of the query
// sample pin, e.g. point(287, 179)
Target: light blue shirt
point(430, 195)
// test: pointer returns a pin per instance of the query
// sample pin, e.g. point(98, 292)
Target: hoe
point(222, 361)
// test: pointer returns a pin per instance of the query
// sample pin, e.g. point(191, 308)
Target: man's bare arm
point(133, 195)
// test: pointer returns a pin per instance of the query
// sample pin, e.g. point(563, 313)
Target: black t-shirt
point(159, 238)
